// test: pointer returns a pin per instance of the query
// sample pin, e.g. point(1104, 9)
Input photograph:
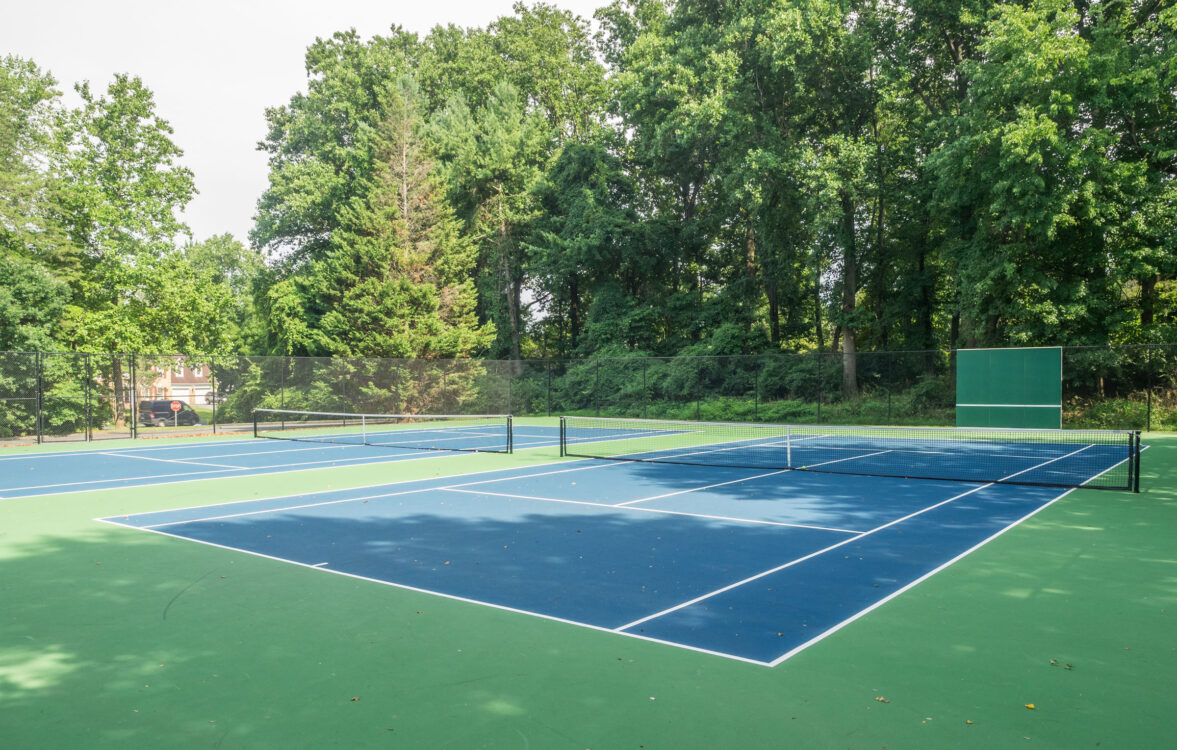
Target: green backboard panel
point(1009, 387)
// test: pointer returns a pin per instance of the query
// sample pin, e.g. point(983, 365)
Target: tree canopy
point(671, 178)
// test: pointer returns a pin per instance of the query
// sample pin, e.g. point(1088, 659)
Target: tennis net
point(490, 433)
point(1100, 459)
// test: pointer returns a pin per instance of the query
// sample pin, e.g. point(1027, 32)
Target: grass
point(115, 638)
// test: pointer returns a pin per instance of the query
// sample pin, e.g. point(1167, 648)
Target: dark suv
point(160, 414)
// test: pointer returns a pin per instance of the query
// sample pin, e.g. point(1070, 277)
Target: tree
point(122, 188)
point(227, 264)
point(32, 303)
point(490, 159)
point(29, 107)
point(398, 281)
point(1037, 157)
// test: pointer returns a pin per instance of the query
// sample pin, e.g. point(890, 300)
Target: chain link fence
point(55, 396)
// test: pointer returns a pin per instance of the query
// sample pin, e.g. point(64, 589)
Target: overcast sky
point(214, 67)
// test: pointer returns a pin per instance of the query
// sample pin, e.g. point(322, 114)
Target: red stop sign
point(176, 406)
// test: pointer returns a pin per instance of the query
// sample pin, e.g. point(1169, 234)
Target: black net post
point(563, 437)
point(1136, 460)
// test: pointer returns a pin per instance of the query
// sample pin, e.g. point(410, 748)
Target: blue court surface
point(750, 564)
point(96, 469)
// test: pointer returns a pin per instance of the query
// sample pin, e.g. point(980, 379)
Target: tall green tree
point(491, 157)
point(233, 268)
point(122, 191)
point(398, 281)
point(318, 144)
point(29, 108)
point(1038, 158)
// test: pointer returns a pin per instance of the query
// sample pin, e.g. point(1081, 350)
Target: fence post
point(86, 413)
point(39, 390)
point(134, 400)
point(889, 380)
point(756, 394)
point(820, 385)
point(597, 388)
point(548, 370)
point(698, 390)
point(645, 393)
point(1148, 392)
point(285, 363)
point(214, 380)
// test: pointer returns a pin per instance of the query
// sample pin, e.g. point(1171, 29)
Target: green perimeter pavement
point(115, 637)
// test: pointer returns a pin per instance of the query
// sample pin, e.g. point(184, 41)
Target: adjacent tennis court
point(306, 447)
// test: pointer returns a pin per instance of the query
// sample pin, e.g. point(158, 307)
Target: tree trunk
point(512, 282)
point(817, 313)
point(574, 311)
point(849, 289)
point(1148, 298)
point(774, 312)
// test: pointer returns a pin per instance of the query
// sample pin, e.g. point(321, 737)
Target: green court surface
point(113, 637)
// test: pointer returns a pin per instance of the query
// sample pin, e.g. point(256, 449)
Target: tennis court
point(304, 449)
point(698, 547)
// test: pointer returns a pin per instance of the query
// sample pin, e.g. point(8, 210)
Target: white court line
point(167, 460)
point(932, 572)
point(842, 543)
point(590, 466)
point(335, 446)
point(452, 597)
point(215, 441)
point(255, 469)
point(798, 560)
point(660, 511)
point(1044, 463)
point(338, 501)
point(848, 458)
point(698, 489)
